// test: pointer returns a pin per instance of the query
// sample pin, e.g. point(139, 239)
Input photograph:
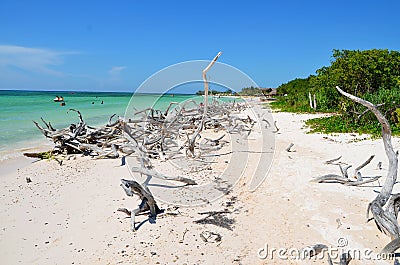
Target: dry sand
point(67, 214)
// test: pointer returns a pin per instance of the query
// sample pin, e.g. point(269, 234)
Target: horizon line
point(86, 91)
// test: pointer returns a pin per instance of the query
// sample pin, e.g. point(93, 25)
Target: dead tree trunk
point(148, 203)
point(203, 119)
point(385, 219)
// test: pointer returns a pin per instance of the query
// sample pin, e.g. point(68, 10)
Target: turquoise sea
point(19, 108)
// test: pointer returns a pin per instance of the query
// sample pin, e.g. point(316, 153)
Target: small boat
point(58, 99)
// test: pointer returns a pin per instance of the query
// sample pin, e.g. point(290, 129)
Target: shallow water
point(19, 108)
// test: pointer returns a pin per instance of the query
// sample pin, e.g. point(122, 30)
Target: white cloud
point(115, 72)
point(32, 59)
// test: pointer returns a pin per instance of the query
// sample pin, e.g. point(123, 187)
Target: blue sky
point(116, 45)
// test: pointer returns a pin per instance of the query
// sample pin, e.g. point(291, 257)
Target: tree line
point(246, 91)
point(370, 74)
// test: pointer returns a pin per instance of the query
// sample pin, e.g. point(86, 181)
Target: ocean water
point(19, 108)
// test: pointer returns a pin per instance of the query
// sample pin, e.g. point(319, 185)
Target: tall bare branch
point(386, 220)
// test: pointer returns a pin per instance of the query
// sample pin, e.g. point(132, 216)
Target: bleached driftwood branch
point(385, 219)
point(158, 175)
point(148, 203)
point(205, 103)
point(152, 134)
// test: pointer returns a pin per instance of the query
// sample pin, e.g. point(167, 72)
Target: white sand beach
point(68, 214)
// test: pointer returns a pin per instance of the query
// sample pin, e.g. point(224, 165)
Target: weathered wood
point(48, 125)
point(315, 103)
point(344, 179)
point(311, 251)
point(332, 178)
point(79, 114)
point(124, 210)
point(153, 134)
point(344, 171)
point(148, 203)
point(333, 160)
point(205, 103)
point(392, 246)
point(365, 112)
point(158, 175)
point(289, 147)
point(267, 124)
point(357, 173)
point(45, 132)
point(385, 219)
point(110, 124)
point(345, 259)
point(276, 127)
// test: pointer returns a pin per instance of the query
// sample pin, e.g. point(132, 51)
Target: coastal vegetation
point(373, 75)
point(384, 207)
point(246, 91)
point(250, 91)
point(226, 92)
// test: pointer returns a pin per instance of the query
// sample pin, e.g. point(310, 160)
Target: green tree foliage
point(364, 71)
point(371, 74)
point(250, 91)
point(295, 94)
point(357, 72)
point(226, 92)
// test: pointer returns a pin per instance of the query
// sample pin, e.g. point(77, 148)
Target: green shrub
point(373, 75)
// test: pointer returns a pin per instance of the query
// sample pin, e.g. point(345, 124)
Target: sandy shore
point(68, 214)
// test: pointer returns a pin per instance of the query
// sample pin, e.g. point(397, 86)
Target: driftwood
point(360, 114)
point(345, 259)
point(148, 203)
point(385, 219)
point(289, 147)
point(155, 174)
point(276, 127)
point(152, 134)
point(344, 178)
point(392, 246)
point(313, 106)
point(210, 237)
point(267, 124)
point(205, 103)
point(311, 251)
point(385, 207)
point(331, 161)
